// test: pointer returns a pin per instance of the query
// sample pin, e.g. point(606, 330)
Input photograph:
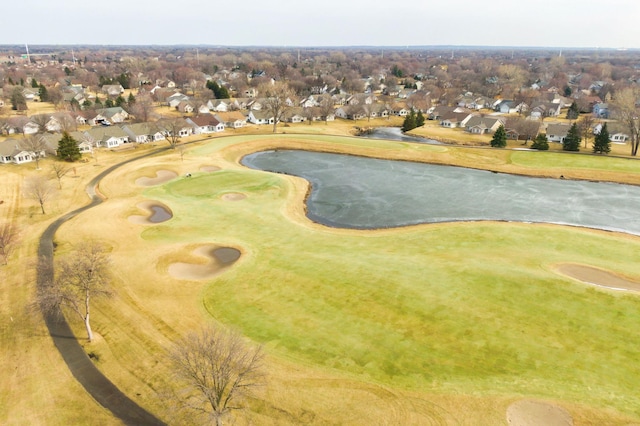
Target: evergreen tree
point(124, 80)
point(18, 101)
point(131, 100)
point(98, 102)
point(44, 94)
point(540, 143)
point(68, 149)
point(120, 101)
point(85, 104)
point(573, 111)
point(34, 83)
point(571, 142)
point(108, 103)
point(219, 92)
point(409, 122)
point(601, 143)
point(499, 139)
point(419, 119)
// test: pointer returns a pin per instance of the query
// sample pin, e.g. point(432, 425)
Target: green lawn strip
point(562, 161)
point(466, 306)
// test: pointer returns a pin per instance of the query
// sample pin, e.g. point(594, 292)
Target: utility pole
point(28, 57)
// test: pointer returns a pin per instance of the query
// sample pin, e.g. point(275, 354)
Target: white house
point(260, 117)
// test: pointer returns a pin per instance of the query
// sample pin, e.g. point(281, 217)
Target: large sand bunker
point(598, 277)
point(219, 259)
point(158, 213)
point(535, 413)
point(162, 176)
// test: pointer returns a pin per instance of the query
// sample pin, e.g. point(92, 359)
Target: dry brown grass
point(151, 311)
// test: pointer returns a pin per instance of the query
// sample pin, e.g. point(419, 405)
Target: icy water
point(364, 193)
point(394, 133)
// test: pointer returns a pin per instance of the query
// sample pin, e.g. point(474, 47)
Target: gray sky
point(568, 23)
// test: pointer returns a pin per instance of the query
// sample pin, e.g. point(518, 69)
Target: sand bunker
point(219, 259)
point(209, 168)
point(534, 413)
point(162, 176)
point(598, 277)
point(233, 196)
point(158, 213)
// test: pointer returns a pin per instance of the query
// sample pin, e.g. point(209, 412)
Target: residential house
point(350, 112)
point(618, 133)
point(16, 151)
point(232, 119)
point(376, 111)
point(106, 136)
point(180, 126)
point(435, 113)
point(545, 109)
point(219, 105)
point(556, 132)
point(143, 132)
point(52, 141)
point(185, 107)
point(361, 99)
point(260, 117)
point(294, 115)
point(205, 124)
point(30, 128)
point(601, 110)
point(113, 90)
point(480, 125)
point(174, 100)
point(112, 115)
point(31, 94)
point(455, 119)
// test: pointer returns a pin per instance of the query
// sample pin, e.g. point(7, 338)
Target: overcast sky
point(546, 23)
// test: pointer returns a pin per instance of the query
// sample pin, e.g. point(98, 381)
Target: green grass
point(551, 160)
point(472, 307)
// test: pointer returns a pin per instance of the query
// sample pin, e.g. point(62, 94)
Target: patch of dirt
point(209, 168)
point(162, 176)
point(218, 259)
point(597, 277)
point(529, 412)
point(233, 196)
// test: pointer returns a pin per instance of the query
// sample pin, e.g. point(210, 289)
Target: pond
point(395, 134)
point(365, 193)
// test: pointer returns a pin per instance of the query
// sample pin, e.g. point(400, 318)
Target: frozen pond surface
point(394, 133)
point(364, 193)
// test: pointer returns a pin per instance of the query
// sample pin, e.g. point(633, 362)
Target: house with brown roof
point(205, 123)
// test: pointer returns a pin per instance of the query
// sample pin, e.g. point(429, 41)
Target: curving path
point(82, 368)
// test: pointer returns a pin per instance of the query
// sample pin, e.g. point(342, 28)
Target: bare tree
point(217, 371)
point(172, 128)
point(8, 240)
point(60, 170)
point(277, 100)
point(326, 108)
point(142, 110)
point(81, 276)
point(182, 149)
point(624, 108)
point(41, 120)
point(585, 124)
point(40, 190)
point(36, 145)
